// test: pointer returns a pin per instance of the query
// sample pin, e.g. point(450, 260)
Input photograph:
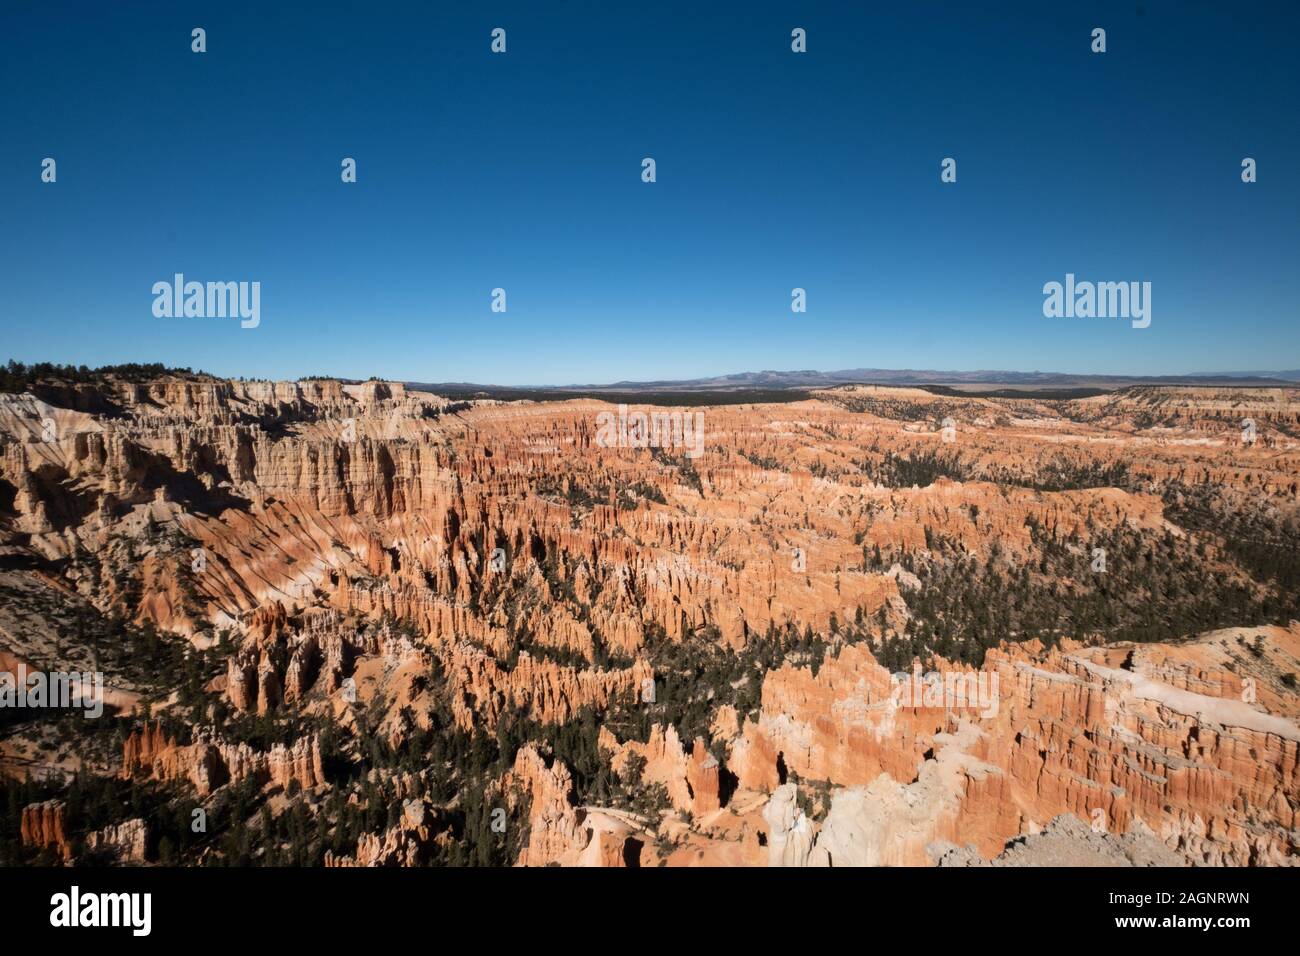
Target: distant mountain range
point(809, 378)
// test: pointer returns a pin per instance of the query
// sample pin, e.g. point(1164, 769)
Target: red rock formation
point(142, 746)
point(1070, 733)
point(360, 533)
point(43, 826)
point(692, 780)
point(209, 763)
point(401, 845)
point(555, 824)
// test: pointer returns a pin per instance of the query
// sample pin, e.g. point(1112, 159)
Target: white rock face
point(789, 835)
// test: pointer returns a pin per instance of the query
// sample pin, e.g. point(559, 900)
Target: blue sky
point(775, 170)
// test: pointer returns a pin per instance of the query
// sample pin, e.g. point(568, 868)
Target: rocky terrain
point(351, 624)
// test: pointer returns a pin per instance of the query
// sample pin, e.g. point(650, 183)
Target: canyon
point(356, 623)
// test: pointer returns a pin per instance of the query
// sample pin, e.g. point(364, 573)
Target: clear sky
point(775, 170)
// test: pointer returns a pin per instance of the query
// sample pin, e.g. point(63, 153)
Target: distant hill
point(808, 378)
point(1291, 375)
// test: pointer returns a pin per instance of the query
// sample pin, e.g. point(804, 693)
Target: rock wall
point(1115, 746)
